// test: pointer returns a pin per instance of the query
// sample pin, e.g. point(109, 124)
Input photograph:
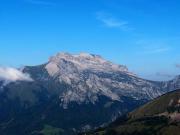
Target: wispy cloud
point(159, 50)
point(8, 74)
point(153, 47)
point(40, 2)
point(110, 21)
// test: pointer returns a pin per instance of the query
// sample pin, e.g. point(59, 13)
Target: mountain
point(73, 93)
point(158, 117)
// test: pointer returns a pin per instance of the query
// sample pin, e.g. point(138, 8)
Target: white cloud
point(9, 74)
point(110, 21)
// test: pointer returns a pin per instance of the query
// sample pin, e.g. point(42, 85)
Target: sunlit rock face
point(90, 75)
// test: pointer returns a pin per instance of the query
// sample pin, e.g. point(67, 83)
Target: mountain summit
point(84, 72)
point(71, 93)
point(83, 61)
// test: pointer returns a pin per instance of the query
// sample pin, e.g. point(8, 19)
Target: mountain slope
point(72, 93)
point(159, 117)
point(159, 105)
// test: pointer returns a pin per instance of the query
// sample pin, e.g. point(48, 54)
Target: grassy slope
point(156, 106)
point(49, 130)
point(145, 120)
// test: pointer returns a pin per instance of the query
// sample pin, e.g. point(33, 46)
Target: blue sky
point(142, 34)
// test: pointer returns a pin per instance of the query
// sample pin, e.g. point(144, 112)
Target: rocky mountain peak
point(84, 61)
point(77, 57)
point(88, 55)
point(89, 75)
